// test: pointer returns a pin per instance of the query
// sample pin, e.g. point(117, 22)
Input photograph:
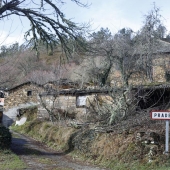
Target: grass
point(52, 135)
point(10, 161)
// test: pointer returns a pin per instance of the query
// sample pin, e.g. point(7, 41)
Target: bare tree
point(147, 40)
point(52, 103)
point(131, 54)
point(49, 28)
point(48, 102)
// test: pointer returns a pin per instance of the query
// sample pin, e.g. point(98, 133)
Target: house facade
point(160, 72)
point(22, 94)
point(73, 104)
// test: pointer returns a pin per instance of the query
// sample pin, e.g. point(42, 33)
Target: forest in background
point(100, 56)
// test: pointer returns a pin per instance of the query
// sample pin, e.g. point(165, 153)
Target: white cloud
point(7, 39)
point(114, 14)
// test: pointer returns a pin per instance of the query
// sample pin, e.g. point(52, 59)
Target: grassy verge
point(10, 161)
point(54, 136)
point(115, 151)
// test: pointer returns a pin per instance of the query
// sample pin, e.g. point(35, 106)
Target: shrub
point(5, 137)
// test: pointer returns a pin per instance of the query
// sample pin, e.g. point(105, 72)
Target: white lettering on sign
point(160, 115)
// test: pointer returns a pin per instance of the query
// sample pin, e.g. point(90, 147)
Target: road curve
point(37, 156)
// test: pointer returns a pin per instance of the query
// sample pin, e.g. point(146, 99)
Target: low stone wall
point(42, 113)
point(15, 113)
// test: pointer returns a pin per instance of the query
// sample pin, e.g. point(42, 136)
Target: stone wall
point(161, 64)
point(68, 105)
point(25, 94)
point(64, 105)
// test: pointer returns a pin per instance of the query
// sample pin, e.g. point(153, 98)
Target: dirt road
point(39, 157)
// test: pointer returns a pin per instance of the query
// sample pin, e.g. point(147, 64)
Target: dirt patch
point(38, 156)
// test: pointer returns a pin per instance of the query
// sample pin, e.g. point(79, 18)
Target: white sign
point(1, 101)
point(163, 115)
point(160, 115)
point(81, 100)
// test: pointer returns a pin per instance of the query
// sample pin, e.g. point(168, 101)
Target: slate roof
point(25, 83)
point(59, 82)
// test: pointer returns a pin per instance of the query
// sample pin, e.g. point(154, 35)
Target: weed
point(8, 160)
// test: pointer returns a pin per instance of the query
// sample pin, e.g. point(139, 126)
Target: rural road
point(39, 157)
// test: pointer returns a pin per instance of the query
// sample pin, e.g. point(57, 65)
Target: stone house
point(72, 103)
point(158, 91)
point(25, 95)
point(150, 94)
point(28, 92)
point(22, 94)
point(160, 69)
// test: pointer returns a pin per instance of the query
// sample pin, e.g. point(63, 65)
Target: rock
point(21, 121)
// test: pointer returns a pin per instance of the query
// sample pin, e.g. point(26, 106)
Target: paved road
point(39, 157)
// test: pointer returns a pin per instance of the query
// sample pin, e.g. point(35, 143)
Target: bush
point(5, 137)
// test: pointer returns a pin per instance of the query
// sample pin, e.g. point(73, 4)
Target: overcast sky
point(113, 14)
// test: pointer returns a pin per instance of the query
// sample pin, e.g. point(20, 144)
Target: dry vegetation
point(22, 65)
point(115, 150)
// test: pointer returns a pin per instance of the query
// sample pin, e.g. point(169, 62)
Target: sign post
point(167, 137)
point(163, 115)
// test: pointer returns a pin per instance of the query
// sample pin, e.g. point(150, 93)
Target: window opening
point(29, 93)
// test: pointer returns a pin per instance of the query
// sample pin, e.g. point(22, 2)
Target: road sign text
point(164, 115)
